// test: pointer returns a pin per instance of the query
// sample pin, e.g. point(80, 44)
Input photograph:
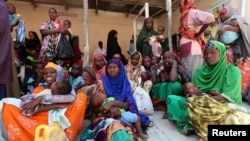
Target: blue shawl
point(119, 86)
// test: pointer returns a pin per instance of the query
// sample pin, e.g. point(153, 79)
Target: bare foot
point(201, 139)
point(188, 132)
point(143, 136)
point(165, 116)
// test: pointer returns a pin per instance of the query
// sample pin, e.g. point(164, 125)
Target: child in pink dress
point(154, 41)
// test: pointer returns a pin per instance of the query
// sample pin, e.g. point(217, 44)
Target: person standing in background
point(100, 49)
point(193, 23)
point(5, 44)
point(113, 46)
point(142, 43)
point(50, 31)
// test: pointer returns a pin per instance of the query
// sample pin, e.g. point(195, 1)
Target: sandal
point(151, 124)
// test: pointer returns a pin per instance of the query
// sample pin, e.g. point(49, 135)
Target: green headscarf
point(221, 77)
point(144, 47)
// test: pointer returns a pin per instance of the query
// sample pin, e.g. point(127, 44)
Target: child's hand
point(31, 105)
point(115, 112)
point(106, 107)
point(155, 67)
point(213, 93)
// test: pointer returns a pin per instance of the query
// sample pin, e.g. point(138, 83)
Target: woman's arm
point(60, 98)
point(49, 32)
point(51, 107)
point(204, 27)
point(173, 76)
point(154, 74)
point(118, 104)
point(231, 28)
point(218, 97)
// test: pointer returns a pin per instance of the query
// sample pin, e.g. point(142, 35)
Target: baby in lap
point(62, 87)
point(97, 100)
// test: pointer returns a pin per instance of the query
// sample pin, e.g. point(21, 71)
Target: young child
point(75, 78)
point(154, 41)
point(99, 99)
point(146, 62)
point(156, 63)
point(67, 26)
point(62, 87)
point(12, 15)
point(190, 89)
point(34, 79)
point(228, 36)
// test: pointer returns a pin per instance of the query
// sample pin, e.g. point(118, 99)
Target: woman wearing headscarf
point(142, 42)
point(193, 23)
point(137, 74)
point(96, 71)
point(20, 127)
point(169, 81)
point(32, 47)
point(91, 75)
point(234, 31)
point(113, 46)
point(50, 31)
point(114, 84)
point(220, 102)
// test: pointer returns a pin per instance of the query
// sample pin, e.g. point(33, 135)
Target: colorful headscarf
point(212, 78)
point(148, 69)
point(140, 59)
point(51, 65)
point(180, 68)
point(48, 50)
point(184, 30)
point(119, 86)
point(98, 72)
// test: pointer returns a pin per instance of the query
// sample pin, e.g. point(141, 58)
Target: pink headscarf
point(98, 72)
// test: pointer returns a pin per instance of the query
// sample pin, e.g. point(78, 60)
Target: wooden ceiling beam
point(65, 4)
point(33, 3)
point(96, 7)
point(158, 12)
point(131, 3)
point(132, 9)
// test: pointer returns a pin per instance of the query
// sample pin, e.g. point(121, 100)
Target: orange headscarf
point(185, 6)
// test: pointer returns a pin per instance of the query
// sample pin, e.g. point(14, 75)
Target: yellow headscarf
point(50, 65)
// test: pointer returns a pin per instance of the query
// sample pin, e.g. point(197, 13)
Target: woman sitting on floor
point(222, 103)
point(19, 127)
point(114, 84)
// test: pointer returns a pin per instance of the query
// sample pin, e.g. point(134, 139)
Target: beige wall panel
point(101, 24)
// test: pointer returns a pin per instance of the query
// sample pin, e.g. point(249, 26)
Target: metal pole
point(85, 34)
point(169, 12)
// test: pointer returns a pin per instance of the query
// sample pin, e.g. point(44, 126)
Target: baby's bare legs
point(139, 130)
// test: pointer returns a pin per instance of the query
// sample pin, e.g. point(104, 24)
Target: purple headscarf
point(5, 45)
point(119, 86)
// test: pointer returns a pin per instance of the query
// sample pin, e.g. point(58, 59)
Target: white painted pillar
point(85, 34)
point(169, 12)
point(146, 10)
point(243, 8)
